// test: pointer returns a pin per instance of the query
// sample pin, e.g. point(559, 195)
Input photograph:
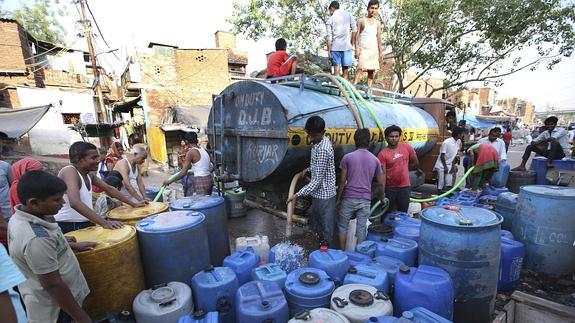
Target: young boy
point(55, 287)
point(280, 63)
point(322, 185)
point(368, 49)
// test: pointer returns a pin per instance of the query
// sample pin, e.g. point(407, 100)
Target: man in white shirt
point(551, 143)
point(340, 39)
point(446, 170)
point(494, 140)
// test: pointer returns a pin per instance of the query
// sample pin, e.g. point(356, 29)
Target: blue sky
point(129, 24)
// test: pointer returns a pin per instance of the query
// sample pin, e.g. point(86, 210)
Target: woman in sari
point(485, 159)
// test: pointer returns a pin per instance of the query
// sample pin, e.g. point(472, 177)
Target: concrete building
point(522, 109)
point(474, 101)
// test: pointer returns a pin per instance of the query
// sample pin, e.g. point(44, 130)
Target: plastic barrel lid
point(466, 216)
point(127, 212)
point(104, 238)
point(170, 221)
point(197, 202)
point(550, 191)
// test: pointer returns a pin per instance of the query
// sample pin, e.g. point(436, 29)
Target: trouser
point(398, 198)
point(506, 147)
point(323, 213)
point(349, 207)
point(553, 153)
point(73, 226)
point(446, 180)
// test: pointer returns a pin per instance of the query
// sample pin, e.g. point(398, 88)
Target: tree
point(41, 18)
point(463, 40)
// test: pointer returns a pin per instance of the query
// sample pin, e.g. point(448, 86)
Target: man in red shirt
point(397, 159)
point(280, 63)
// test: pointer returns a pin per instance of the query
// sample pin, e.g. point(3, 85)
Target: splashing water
point(289, 256)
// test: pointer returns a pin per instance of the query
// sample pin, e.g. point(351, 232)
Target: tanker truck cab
point(256, 129)
point(439, 110)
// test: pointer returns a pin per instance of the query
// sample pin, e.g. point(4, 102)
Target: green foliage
point(463, 40)
point(41, 19)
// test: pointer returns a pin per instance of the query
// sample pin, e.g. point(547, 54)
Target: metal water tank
point(465, 242)
point(174, 246)
point(113, 269)
point(259, 126)
point(545, 223)
point(213, 207)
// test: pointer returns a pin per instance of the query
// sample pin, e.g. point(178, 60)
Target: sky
point(130, 24)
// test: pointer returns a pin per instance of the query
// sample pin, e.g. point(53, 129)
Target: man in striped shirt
point(322, 185)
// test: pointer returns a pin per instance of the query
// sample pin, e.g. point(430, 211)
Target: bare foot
point(519, 169)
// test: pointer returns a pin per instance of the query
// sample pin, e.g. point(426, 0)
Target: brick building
point(475, 101)
point(522, 109)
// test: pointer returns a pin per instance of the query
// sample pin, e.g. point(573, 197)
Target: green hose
point(383, 209)
point(161, 191)
point(448, 192)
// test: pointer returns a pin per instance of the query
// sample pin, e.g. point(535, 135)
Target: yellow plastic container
point(113, 269)
point(131, 216)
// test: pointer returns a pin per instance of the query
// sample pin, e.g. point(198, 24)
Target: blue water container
point(467, 244)
point(356, 258)
point(200, 316)
point(289, 256)
point(242, 262)
point(507, 234)
point(174, 246)
point(545, 223)
point(402, 249)
point(539, 166)
point(368, 275)
point(499, 179)
point(512, 254)
point(261, 302)
point(388, 264)
point(494, 191)
point(367, 247)
point(418, 315)
point(425, 286)
point(308, 288)
point(214, 208)
point(215, 291)
point(270, 272)
point(506, 206)
point(376, 232)
point(405, 231)
point(396, 218)
point(333, 262)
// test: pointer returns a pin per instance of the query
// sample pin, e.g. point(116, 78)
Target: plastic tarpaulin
point(157, 143)
point(472, 121)
point(14, 123)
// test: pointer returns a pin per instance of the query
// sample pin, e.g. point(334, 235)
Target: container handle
point(339, 302)
point(381, 295)
point(303, 315)
point(168, 302)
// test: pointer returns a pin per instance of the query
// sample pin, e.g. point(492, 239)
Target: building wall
point(201, 73)
point(13, 51)
point(158, 68)
point(157, 103)
point(9, 98)
point(51, 136)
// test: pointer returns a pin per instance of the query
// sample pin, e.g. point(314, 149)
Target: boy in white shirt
point(446, 170)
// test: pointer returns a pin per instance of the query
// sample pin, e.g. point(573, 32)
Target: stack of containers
point(242, 263)
point(260, 302)
point(388, 264)
point(215, 290)
point(402, 249)
point(308, 288)
point(333, 262)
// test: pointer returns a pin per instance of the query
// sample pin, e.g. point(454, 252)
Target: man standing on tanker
point(397, 159)
point(322, 185)
point(339, 38)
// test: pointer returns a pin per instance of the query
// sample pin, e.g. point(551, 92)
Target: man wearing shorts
point(341, 34)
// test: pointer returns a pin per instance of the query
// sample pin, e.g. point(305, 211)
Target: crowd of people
point(346, 39)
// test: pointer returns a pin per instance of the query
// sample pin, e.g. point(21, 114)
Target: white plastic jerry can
point(260, 244)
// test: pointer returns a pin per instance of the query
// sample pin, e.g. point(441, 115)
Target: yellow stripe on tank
point(344, 136)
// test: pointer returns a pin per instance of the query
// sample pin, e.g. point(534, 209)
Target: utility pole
point(96, 72)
